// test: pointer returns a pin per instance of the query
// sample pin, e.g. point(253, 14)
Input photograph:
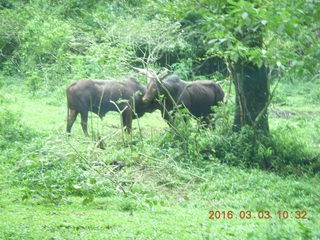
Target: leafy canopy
point(289, 30)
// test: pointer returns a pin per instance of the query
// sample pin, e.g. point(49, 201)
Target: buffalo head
point(197, 96)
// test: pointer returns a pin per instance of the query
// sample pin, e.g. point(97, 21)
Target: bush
point(282, 151)
point(52, 170)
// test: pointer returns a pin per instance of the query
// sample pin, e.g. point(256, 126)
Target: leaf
point(93, 181)
point(184, 110)
point(234, 3)
point(279, 64)
point(239, 29)
point(244, 15)
point(264, 22)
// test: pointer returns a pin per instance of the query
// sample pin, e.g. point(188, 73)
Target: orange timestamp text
point(258, 215)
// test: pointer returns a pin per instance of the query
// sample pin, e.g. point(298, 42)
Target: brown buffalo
point(102, 96)
point(198, 96)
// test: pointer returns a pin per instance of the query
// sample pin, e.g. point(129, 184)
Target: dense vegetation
point(158, 182)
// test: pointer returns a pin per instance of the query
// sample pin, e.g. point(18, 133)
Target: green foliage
point(289, 153)
point(232, 29)
point(52, 171)
point(51, 43)
point(183, 68)
point(149, 184)
point(65, 40)
point(12, 131)
point(166, 175)
point(283, 152)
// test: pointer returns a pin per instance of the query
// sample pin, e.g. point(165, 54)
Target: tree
point(255, 37)
point(250, 79)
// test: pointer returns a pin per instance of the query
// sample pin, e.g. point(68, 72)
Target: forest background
point(159, 183)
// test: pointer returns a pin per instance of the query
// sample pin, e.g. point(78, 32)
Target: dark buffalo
point(198, 96)
point(102, 96)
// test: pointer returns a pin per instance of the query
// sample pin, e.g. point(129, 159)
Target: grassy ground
point(163, 199)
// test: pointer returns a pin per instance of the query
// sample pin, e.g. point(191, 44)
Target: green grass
point(296, 105)
point(165, 198)
point(182, 215)
point(47, 114)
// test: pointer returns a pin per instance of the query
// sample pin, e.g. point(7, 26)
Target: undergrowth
point(51, 168)
point(283, 151)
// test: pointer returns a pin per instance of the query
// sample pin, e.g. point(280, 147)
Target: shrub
point(53, 170)
point(282, 151)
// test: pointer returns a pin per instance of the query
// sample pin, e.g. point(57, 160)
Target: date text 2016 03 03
point(258, 215)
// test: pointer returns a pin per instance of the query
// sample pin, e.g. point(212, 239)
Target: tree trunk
point(252, 96)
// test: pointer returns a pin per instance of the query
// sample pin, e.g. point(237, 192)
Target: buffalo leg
point(127, 120)
point(71, 118)
point(84, 121)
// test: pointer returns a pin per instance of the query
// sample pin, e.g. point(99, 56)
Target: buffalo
point(198, 96)
point(102, 96)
